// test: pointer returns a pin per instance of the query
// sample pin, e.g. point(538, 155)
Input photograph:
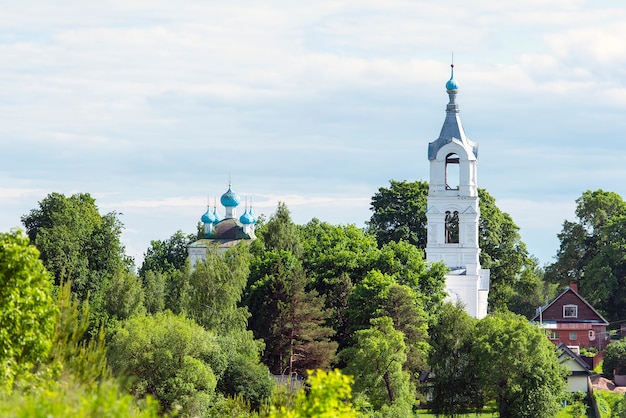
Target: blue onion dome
point(252, 215)
point(451, 84)
point(216, 215)
point(230, 199)
point(208, 217)
point(247, 218)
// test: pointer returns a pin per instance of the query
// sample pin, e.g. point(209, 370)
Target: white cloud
point(15, 193)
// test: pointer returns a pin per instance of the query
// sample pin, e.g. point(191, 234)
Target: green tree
point(614, 359)
point(399, 213)
point(154, 291)
point(503, 252)
point(335, 258)
point(591, 252)
point(27, 308)
point(579, 240)
point(518, 366)
point(84, 359)
point(288, 318)
point(245, 376)
point(381, 295)
point(165, 256)
point(532, 290)
point(178, 288)
point(406, 264)
point(170, 358)
point(73, 399)
point(124, 295)
point(328, 396)
point(331, 251)
point(76, 243)
point(376, 363)
point(367, 298)
point(455, 387)
point(280, 233)
point(217, 285)
point(404, 308)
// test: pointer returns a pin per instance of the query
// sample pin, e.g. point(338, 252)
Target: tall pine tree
point(288, 318)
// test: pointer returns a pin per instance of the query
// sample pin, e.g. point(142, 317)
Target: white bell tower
point(453, 212)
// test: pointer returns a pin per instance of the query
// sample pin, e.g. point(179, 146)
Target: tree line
point(167, 338)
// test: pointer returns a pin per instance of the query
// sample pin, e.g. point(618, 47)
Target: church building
point(453, 213)
point(223, 232)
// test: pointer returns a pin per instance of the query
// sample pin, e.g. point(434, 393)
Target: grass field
point(563, 413)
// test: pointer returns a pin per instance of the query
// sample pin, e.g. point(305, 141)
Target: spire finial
point(452, 66)
point(451, 85)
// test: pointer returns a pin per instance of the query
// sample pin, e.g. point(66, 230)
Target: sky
point(153, 105)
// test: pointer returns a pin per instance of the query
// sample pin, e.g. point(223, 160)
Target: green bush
point(169, 357)
point(72, 399)
point(614, 359)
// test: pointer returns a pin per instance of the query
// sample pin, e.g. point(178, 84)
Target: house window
point(452, 227)
point(572, 336)
point(591, 334)
point(554, 335)
point(570, 311)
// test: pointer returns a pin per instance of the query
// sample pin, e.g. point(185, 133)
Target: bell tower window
point(452, 227)
point(453, 175)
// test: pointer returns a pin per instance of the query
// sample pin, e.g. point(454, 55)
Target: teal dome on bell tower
point(451, 85)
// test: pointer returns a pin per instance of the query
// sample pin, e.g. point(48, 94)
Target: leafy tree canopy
point(455, 386)
point(76, 243)
point(167, 255)
point(614, 359)
point(328, 396)
point(518, 366)
point(217, 285)
point(376, 362)
point(591, 252)
point(170, 358)
point(399, 213)
point(331, 251)
point(279, 233)
point(27, 308)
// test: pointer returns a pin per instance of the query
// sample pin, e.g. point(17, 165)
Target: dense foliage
point(614, 361)
point(27, 309)
point(455, 387)
point(170, 358)
point(76, 243)
point(399, 213)
point(204, 340)
point(518, 366)
point(328, 396)
point(592, 252)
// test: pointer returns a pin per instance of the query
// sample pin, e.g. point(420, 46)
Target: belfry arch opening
point(452, 227)
point(453, 173)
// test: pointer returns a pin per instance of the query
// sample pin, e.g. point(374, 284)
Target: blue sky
point(150, 105)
